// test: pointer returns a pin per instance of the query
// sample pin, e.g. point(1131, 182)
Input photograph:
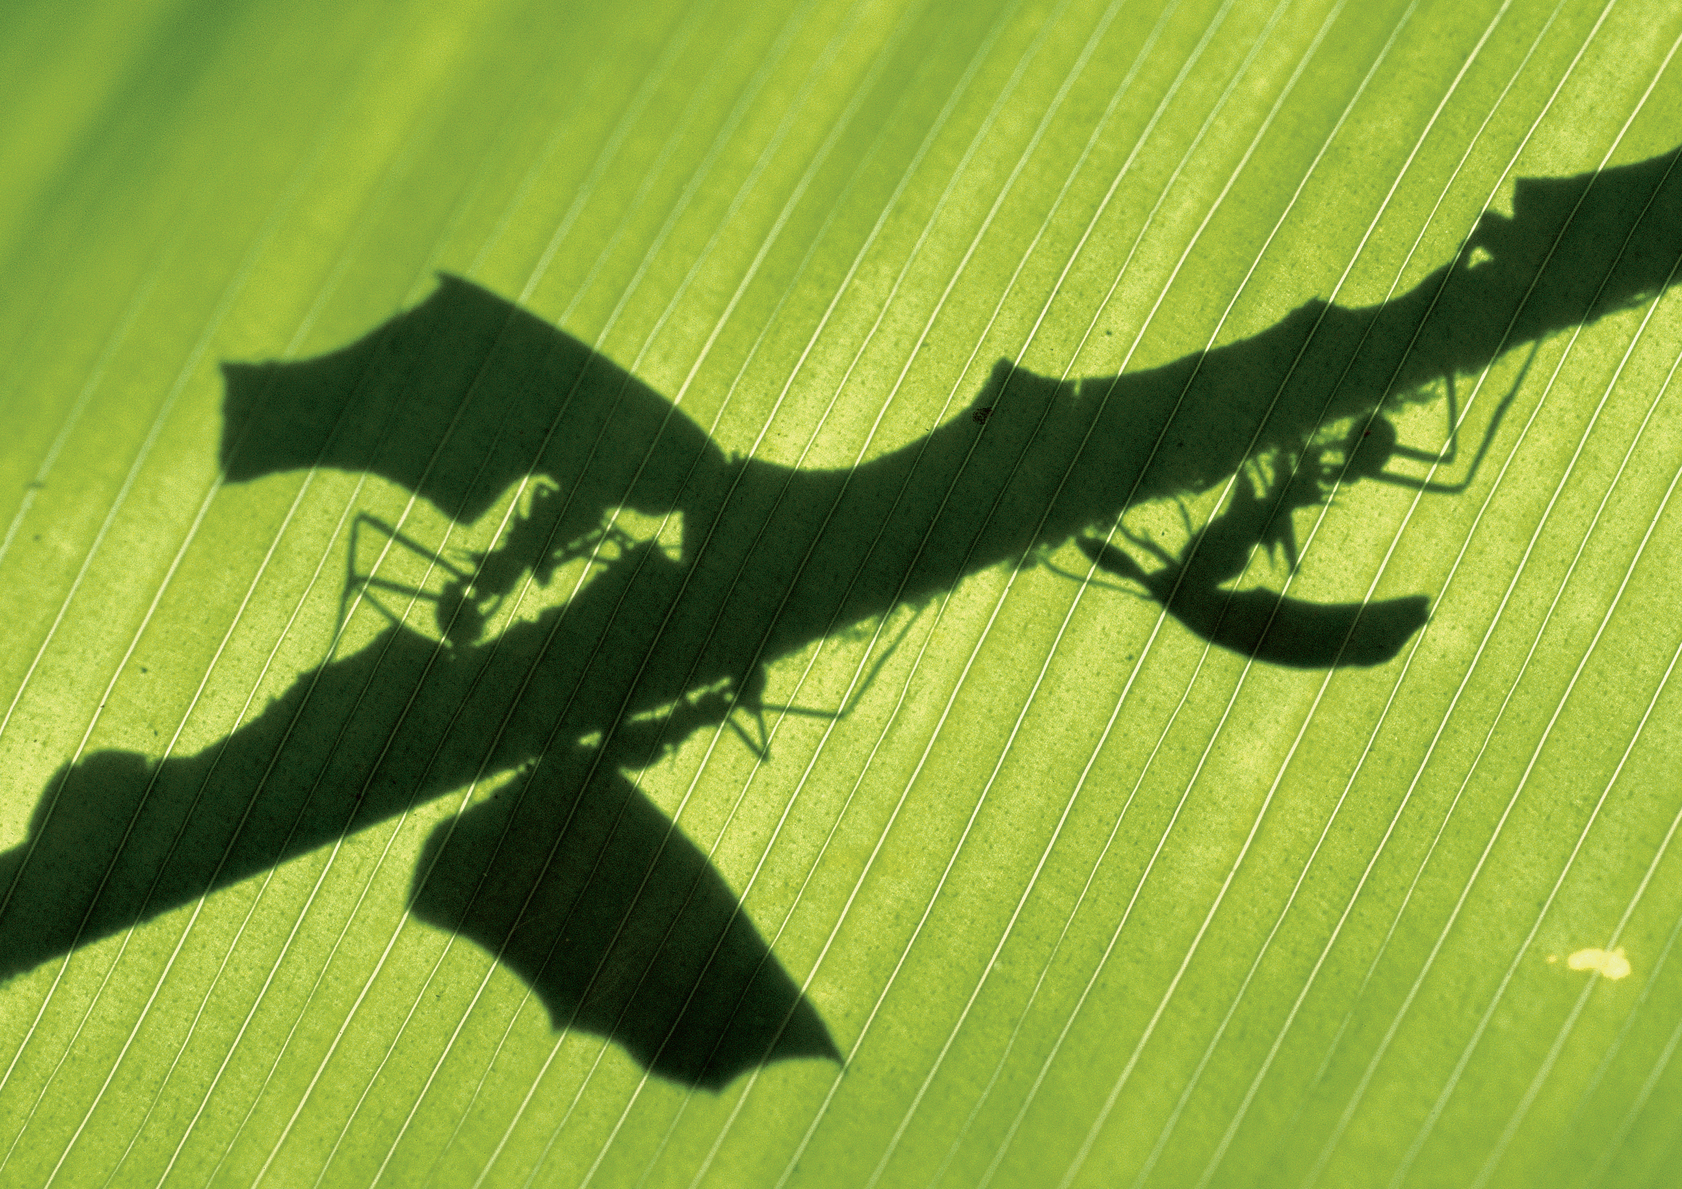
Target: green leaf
point(690, 593)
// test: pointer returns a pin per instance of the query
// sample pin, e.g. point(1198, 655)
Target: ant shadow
point(567, 874)
point(1275, 628)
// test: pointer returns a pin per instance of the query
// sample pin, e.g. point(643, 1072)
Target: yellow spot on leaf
point(1610, 963)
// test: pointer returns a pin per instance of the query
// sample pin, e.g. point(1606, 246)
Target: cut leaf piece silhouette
point(621, 926)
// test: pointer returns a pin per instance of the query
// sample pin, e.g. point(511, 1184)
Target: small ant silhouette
point(1257, 622)
point(475, 591)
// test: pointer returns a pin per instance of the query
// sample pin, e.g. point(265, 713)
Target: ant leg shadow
point(619, 924)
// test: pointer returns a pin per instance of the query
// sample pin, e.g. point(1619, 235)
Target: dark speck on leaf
point(980, 415)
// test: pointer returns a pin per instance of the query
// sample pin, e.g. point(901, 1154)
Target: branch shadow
point(570, 876)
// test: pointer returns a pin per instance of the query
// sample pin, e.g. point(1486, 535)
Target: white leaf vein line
point(698, 263)
point(1483, 1021)
point(1227, 1136)
point(841, 290)
point(1069, 804)
point(1545, 1068)
point(368, 983)
point(741, 288)
point(1115, 711)
point(1383, 717)
point(420, 280)
point(1290, 899)
point(1110, 948)
point(1018, 567)
point(694, 271)
point(125, 323)
point(959, 89)
point(384, 194)
point(1614, 1143)
point(1661, 1066)
point(1022, 160)
point(974, 145)
point(879, 418)
point(1159, 619)
point(866, 84)
point(226, 299)
point(1496, 619)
